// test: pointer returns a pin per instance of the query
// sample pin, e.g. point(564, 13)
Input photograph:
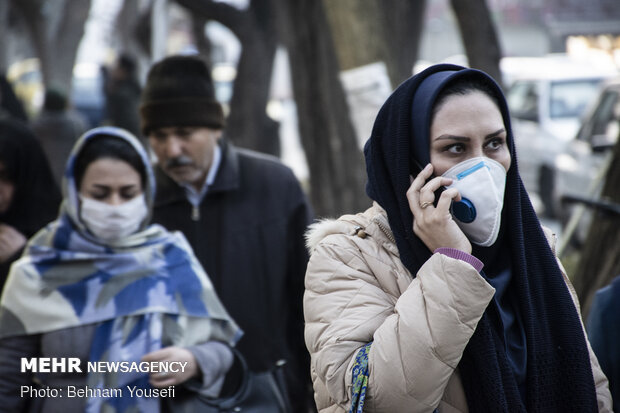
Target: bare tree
point(248, 123)
point(600, 257)
point(402, 21)
point(328, 138)
point(127, 29)
point(4, 34)
point(56, 28)
point(335, 161)
point(366, 31)
point(203, 44)
point(479, 36)
point(15, 44)
point(143, 31)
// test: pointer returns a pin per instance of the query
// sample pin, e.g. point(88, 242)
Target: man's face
point(185, 153)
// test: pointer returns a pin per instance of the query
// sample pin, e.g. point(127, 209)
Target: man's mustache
point(179, 161)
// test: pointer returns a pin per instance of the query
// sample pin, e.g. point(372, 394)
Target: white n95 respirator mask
point(113, 222)
point(481, 182)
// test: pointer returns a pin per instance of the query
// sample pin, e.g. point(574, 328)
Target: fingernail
point(427, 167)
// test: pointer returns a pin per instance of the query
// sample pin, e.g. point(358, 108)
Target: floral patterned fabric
point(360, 380)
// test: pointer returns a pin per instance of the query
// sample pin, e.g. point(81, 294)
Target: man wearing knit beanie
point(244, 214)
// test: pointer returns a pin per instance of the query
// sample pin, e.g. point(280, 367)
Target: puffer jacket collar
point(373, 222)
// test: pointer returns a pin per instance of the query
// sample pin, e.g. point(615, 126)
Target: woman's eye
point(456, 148)
point(495, 143)
point(128, 195)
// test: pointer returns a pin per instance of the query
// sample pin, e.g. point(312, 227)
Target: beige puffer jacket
point(357, 291)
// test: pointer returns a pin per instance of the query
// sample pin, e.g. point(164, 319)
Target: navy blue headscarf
point(559, 374)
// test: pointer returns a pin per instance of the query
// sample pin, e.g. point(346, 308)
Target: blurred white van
point(580, 169)
point(547, 97)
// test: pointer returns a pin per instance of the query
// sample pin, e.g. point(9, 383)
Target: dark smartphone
point(414, 174)
point(462, 210)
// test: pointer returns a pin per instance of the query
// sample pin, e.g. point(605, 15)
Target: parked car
point(547, 98)
point(578, 169)
point(25, 78)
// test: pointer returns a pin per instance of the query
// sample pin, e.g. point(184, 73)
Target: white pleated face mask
point(113, 222)
point(481, 182)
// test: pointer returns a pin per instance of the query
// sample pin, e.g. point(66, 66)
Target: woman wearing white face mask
point(102, 285)
point(445, 295)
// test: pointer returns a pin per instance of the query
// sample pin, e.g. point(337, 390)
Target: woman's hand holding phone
point(432, 221)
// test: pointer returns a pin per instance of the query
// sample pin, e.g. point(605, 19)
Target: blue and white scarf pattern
point(145, 293)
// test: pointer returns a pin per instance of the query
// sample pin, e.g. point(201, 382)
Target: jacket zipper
point(195, 212)
point(385, 230)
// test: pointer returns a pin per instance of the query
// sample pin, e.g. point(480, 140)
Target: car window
point(522, 98)
point(605, 118)
point(569, 99)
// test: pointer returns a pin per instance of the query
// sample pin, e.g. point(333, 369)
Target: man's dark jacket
point(248, 235)
point(603, 326)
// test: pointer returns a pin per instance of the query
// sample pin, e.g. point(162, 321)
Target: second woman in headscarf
point(102, 285)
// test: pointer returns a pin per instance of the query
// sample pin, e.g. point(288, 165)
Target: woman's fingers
point(434, 225)
point(163, 379)
point(179, 354)
point(421, 193)
point(446, 198)
point(413, 193)
point(427, 193)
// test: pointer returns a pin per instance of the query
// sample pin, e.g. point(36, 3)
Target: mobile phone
point(415, 173)
point(462, 210)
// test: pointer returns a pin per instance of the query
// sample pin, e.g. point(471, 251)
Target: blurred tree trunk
point(56, 28)
point(125, 29)
point(203, 44)
point(479, 36)
point(143, 31)
point(335, 162)
point(368, 31)
point(248, 124)
point(600, 257)
point(129, 34)
point(4, 35)
point(403, 23)
point(16, 44)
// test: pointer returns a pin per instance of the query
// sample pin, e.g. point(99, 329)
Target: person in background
point(29, 197)
point(446, 294)
point(122, 95)
point(603, 326)
point(58, 127)
point(244, 214)
point(10, 105)
point(103, 285)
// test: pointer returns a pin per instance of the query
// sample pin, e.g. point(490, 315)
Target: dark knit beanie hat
point(179, 92)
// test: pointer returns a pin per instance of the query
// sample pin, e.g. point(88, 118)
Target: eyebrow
point(466, 139)
point(103, 186)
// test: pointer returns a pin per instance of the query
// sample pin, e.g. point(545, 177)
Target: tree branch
point(229, 16)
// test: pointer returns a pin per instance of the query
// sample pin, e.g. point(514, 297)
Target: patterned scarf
point(143, 293)
point(559, 374)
